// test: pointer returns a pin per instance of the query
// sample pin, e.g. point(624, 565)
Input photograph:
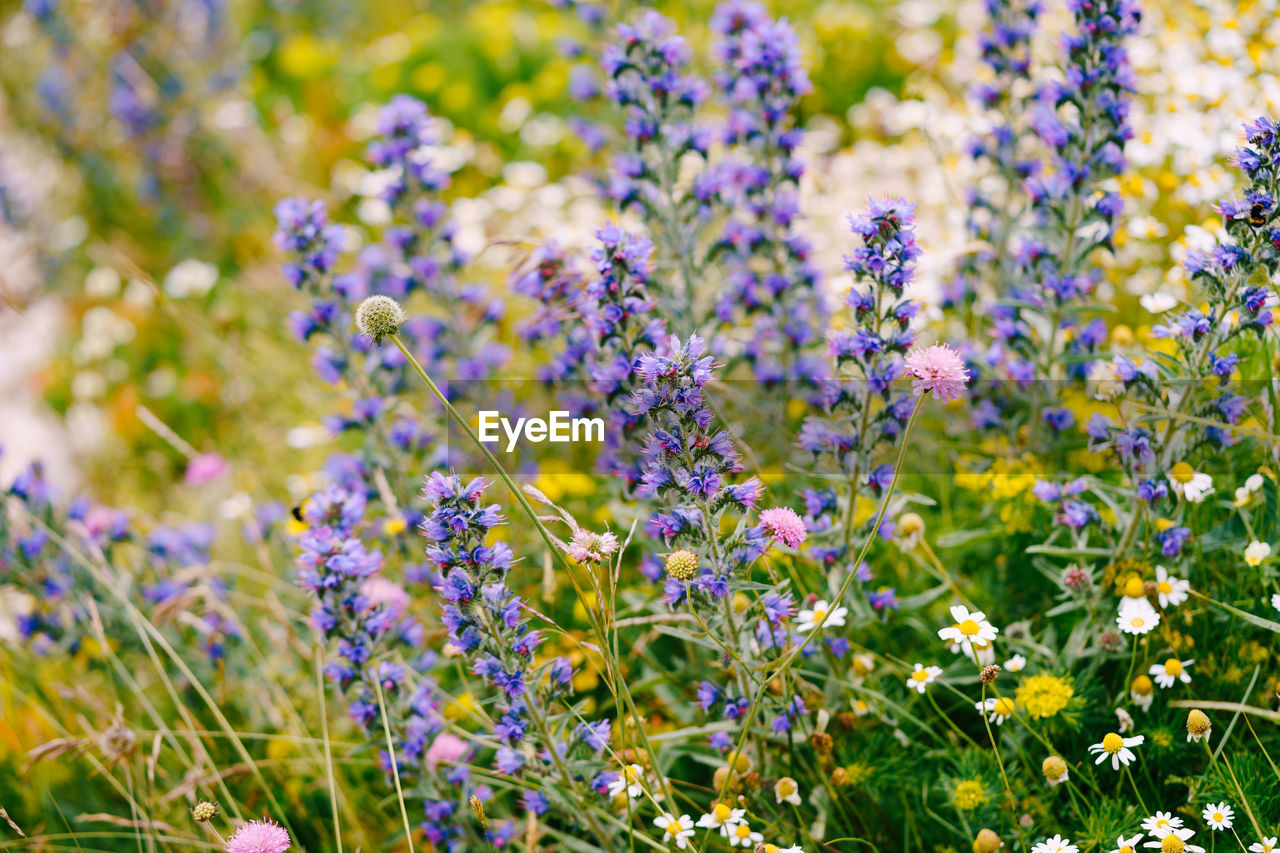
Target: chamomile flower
point(968, 630)
point(740, 835)
point(1158, 302)
point(922, 677)
point(1175, 841)
point(1256, 552)
point(1017, 663)
point(676, 829)
point(1170, 591)
point(1057, 844)
point(1161, 824)
point(630, 780)
point(821, 614)
point(1142, 691)
point(1266, 845)
point(1127, 845)
point(1125, 722)
point(1137, 616)
point(1275, 601)
point(1116, 747)
point(1188, 483)
point(787, 791)
point(1252, 485)
point(997, 710)
point(1219, 816)
point(721, 817)
point(1170, 672)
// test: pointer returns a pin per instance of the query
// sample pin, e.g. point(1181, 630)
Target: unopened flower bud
point(1198, 725)
point(682, 565)
point(204, 811)
point(989, 673)
point(987, 842)
point(1055, 770)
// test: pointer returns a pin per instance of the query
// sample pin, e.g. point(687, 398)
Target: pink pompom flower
point(259, 836)
point(447, 748)
point(205, 468)
point(939, 370)
point(785, 526)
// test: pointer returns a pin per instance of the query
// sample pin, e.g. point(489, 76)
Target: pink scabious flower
point(385, 594)
point(259, 836)
point(784, 525)
point(447, 748)
point(204, 468)
point(588, 547)
point(938, 369)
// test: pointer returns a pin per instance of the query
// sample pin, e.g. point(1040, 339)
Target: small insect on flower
point(997, 710)
point(1170, 591)
point(968, 630)
point(787, 791)
point(630, 780)
point(785, 526)
point(259, 836)
point(1055, 770)
point(1127, 845)
point(922, 677)
point(1219, 816)
point(938, 370)
point(1056, 844)
point(1116, 747)
point(822, 614)
point(1170, 672)
point(379, 316)
point(1198, 725)
point(1256, 552)
point(677, 829)
point(721, 817)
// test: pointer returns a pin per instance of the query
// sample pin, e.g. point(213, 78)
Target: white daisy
point(1171, 671)
point(1170, 591)
point(1159, 302)
point(741, 835)
point(721, 817)
point(1137, 616)
point(1126, 845)
point(1142, 691)
point(1251, 486)
point(787, 791)
point(997, 710)
point(1218, 816)
point(821, 614)
point(922, 677)
point(1165, 844)
point(1116, 747)
point(677, 829)
point(969, 629)
point(1161, 824)
point(1275, 601)
point(1057, 844)
point(1017, 663)
point(1266, 845)
point(1125, 721)
point(631, 780)
point(1193, 485)
point(1256, 552)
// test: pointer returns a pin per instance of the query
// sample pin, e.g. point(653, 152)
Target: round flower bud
point(821, 742)
point(1054, 769)
point(1198, 725)
point(682, 565)
point(910, 523)
point(204, 811)
point(379, 316)
point(989, 673)
point(987, 842)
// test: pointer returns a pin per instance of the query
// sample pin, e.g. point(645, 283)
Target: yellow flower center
point(1142, 685)
point(673, 828)
point(786, 786)
point(920, 675)
point(1218, 817)
point(1182, 472)
point(969, 628)
point(743, 830)
point(1113, 743)
point(1173, 667)
point(1126, 849)
point(1165, 587)
point(1172, 844)
point(819, 615)
point(720, 812)
point(1004, 706)
point(1137, 622)
point(1133, 587)
point(1163, 524)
